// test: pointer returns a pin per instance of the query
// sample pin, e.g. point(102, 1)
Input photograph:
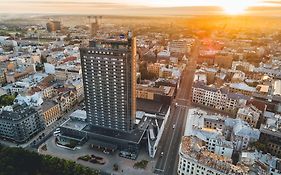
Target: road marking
point(171, 140)
point(161, 170)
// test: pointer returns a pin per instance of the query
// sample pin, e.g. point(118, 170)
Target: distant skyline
point(142, 7)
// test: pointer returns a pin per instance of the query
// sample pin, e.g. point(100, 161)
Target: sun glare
point(236, 7)
point(234, 11)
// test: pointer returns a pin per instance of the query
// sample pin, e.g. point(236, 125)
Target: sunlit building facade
point(109, 75)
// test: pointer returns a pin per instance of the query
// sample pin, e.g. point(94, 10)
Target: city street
point(170, 142)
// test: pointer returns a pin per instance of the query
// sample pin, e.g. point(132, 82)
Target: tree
point(142, 164)
point(6, 100)
point(20, 161)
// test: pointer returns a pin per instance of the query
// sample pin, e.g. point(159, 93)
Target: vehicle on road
point(162, 153)
point(177, 104)
point(174, 126)
point(56, 133)
point(106, 152)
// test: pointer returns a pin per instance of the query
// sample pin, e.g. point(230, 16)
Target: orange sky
point(143, 7)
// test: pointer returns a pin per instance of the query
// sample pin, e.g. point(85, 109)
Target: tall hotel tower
point(109, 75)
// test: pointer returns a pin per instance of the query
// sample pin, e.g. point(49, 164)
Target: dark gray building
point(109, 76)
point(20, 123)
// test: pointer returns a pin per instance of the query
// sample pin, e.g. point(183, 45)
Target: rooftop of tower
point(112, 41)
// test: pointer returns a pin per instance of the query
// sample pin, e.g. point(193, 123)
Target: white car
point(56, 133)
point(174, 126)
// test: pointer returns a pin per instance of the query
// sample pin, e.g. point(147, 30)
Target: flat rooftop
point(74, 124)
point(150, 106)
point(79, 114)
point(162, 90)
point(134, 137)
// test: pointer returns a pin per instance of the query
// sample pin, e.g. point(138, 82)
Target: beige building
point(51, 111)
point(263, 89)
point(162, 94)
point(67, 99)
point(154, 68)
point(145, 94)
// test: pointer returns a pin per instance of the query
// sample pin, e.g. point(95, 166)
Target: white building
point(216, 98)
point(242, 88)
point(260, 163)
point(247, 66)
point(34, 100)
point(250, 114)
point(242, 134)
point(19, 87)
point(195, 159)
point(164, 54)
point(277, 88)
point(200, 76)
point(220, 132)
point(180, 46)
point(221, 147)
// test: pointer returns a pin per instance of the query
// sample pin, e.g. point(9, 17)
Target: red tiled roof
point(71, 58)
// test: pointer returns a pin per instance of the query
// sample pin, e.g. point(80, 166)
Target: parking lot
point(125, 166)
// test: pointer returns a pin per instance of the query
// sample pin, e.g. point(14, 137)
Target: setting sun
point(234, 11)
point(236, 7)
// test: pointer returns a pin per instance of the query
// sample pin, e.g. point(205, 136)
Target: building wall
point(111, 102)
point(165, 73)
point(67, 101)
point(152, 150)
point(10, 78)
point(189, 166)
point(52, 114)
point(272, 139)
point(252, 120)
point(179, 47)
point(22, 130)
point(145, 95)
point(154, 68)
point(223, 61)
point(215, 100)
point(241, 91)
point(239, 142)
point(223, 151)
point(48, 92)
point(213, 123)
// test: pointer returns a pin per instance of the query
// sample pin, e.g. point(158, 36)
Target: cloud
point(273, 2)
